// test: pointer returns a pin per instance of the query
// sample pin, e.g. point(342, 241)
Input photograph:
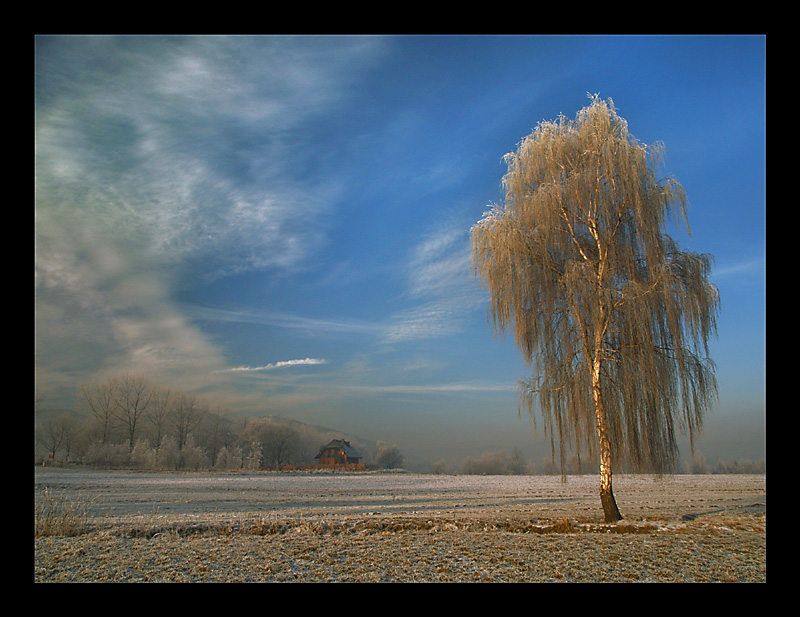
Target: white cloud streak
point(275, 365)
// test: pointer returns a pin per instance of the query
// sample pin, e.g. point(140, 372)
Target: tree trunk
point(610, 509)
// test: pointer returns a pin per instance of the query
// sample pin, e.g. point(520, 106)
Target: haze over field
point(281, 224)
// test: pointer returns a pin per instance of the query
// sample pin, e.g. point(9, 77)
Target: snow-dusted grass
point(147, 526)
point(134, 494)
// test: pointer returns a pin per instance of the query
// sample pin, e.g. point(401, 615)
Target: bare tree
point(614, 318)
point(186, 413)
point(133, 395)
point(57, 433)
point(280, 443)
point(101, 401)
point(277, 442)
point(158, 413)
point(217, 434)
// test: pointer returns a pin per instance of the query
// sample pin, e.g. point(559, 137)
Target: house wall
point(331, 458)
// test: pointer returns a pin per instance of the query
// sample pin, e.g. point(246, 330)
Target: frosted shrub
point(439, 467)
point(254, 457)
point(114, 456)
point(167, 455)
point(192, 456)
point(228, 460)
point(142, 455)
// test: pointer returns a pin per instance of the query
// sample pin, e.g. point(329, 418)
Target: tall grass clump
point(57, 515)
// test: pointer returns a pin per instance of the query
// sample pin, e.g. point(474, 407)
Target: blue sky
point(281, 224)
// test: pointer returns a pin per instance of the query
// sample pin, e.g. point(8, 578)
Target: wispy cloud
point(754, 266)
point(442, 292)
point(433, 319)
point(284, 320)
point(163, 161)
point(275, 365)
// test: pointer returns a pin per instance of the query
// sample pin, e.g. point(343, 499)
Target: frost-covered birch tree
point(611, 314)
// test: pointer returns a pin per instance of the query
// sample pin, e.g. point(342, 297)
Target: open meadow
point(383, 527)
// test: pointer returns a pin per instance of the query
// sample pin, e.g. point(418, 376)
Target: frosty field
point(150, 526)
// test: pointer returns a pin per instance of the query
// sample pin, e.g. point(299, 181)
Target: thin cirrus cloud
point(439, 286)
point(285, 321)
point(741, 269)
point(276, 365)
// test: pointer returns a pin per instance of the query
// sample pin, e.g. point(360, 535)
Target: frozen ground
point(404, 527)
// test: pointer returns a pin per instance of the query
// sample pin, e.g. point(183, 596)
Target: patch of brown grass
point(57, 515)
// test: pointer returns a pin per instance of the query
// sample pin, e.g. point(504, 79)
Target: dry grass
point(57, 515)
point(270, 525)
point(419, 549)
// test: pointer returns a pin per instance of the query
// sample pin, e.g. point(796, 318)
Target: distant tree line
point(126, 422)
point(700, 465)
point(497, 463)
point(503, 463)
